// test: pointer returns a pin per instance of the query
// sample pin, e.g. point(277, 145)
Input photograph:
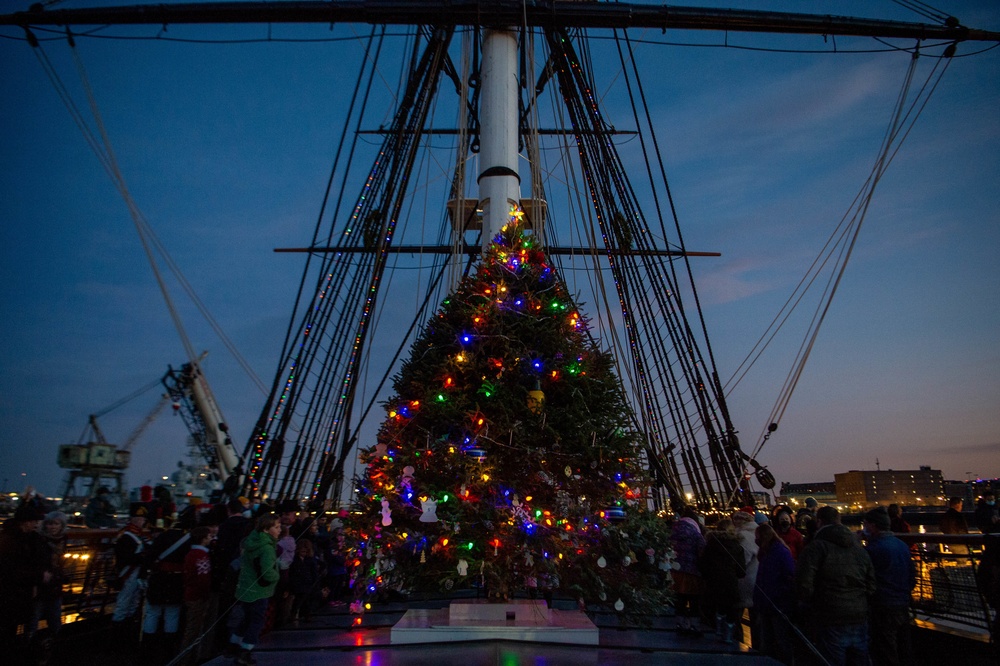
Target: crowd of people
point(815, 591)
point(189, 585)
point(215, 578)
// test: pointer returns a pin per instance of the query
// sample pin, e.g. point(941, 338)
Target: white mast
point(499, 184)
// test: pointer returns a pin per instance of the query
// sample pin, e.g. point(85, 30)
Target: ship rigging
point(624, 230)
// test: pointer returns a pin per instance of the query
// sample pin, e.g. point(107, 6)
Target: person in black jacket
point(953, 522)
point(23, 569)
point(722, 564)
point(165, 591)
point(834, 580)
point(987, 518)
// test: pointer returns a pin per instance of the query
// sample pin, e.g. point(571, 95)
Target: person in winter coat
point(746, 532)
point(48, 606)
point(988, 582)
point(722, 565)
point(774, 596)
point(165, 591)
point(255, 587)
point(130, 560)
point(896, 523)
point(834, 581)
point(197, 596)
point(305, 581)
point(788, 533)
point(895, 578)
point(100, 512)
point(687, 542)
point(24, 567)
point(987, 517)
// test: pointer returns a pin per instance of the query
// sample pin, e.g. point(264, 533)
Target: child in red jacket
point(197, 594)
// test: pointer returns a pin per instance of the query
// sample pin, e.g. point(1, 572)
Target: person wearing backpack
point(255, 587)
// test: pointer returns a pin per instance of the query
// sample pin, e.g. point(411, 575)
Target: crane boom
point(194, 399)
point(145, 423)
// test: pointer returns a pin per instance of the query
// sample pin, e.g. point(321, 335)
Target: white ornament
point(601, 562)
point(619, 605)
point(463, 568)
point(429, 510)
point(386, 513)
point(407, 476)
point(627, 560)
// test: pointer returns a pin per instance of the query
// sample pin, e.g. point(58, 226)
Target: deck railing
point(946, 590)
point(89, 567)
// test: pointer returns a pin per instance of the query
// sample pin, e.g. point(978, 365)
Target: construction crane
point(213, 459)
point(93, 462)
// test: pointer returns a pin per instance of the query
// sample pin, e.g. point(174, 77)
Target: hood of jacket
point(256, 542)
point(838, 535)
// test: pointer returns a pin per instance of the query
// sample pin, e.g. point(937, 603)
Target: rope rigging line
point(279, 406)
point(923, 9)
point(729, 440)
point(902, 121)
point(104, 152)
point(323, 373)
point(661, 344)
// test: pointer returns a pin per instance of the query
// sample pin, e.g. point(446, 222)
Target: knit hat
point(57, 517)
point(760, 518)
point(741, 517)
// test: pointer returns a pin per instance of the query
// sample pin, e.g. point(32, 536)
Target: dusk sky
point(226, 149)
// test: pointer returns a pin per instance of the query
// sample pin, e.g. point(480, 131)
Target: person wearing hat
point(130, 547)
point(48, 605)
point(895, 578)
point(100, 512)
point(22, 570)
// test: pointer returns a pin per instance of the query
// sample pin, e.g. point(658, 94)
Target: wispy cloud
point(736, 280)
point(992, 447)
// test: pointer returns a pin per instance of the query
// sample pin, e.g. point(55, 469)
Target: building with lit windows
point(796, 494)
point(906, 487)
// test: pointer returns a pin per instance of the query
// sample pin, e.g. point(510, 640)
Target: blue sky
point(226, 149)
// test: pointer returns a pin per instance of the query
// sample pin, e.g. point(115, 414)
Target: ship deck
point(329, 637)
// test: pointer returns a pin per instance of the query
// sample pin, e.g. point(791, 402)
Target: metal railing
point(946, 588)
point(89, 568)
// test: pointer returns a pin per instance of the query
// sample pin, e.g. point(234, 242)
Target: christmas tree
point(508, 457)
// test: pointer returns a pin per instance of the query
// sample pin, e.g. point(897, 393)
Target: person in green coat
point(255, 587)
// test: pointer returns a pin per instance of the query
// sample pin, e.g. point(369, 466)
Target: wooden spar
point(499, 13)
